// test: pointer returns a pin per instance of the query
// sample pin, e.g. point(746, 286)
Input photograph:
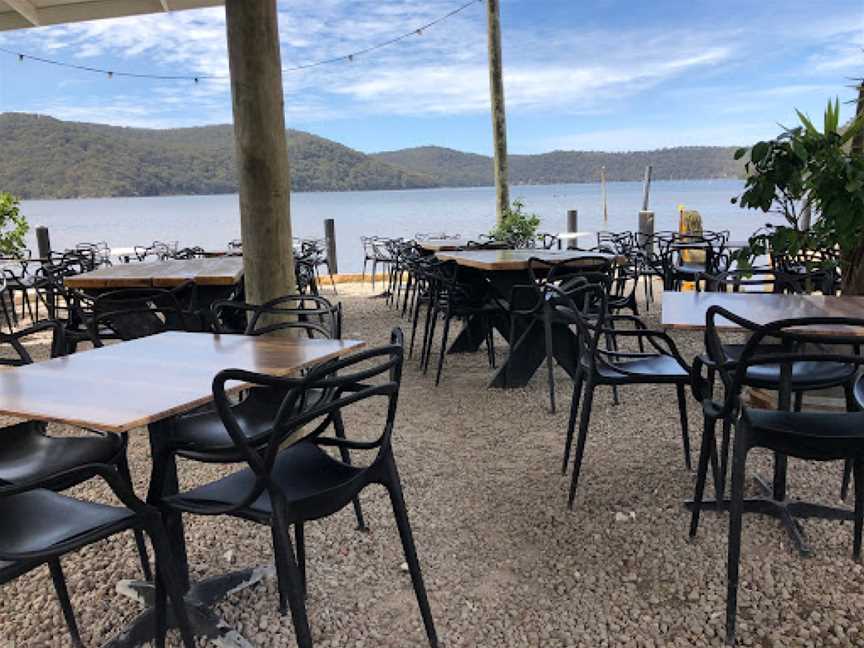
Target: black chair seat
point(43, 519)
point(809, 435)
point(26, 452)
point(655, 369)
point(203, 436)
point(309, 478)
point(810, 375)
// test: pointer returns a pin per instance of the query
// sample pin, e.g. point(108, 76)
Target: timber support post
point(43, 242)
point(646, 228)
point(262, 152)
point(499, 118)
point(572, 226)
point(330, 245)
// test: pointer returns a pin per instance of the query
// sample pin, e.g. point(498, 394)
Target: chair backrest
point(133, 313)
point(303, 414)
point(189, 253)
point(782, 344)
point(543, 271)
point(291, 312)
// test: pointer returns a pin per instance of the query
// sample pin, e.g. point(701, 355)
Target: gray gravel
point(506, 564)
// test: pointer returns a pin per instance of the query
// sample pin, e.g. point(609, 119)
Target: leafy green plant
point(805, 169)
point(13, 226)
point(517, 227)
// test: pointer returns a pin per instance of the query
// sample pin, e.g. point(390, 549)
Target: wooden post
point(499, 119)
point(646, 187)
point(646, 227)
point(43, 242)
point(605, 202)
point(572, 226)
point(262, 152)
point(330, 243)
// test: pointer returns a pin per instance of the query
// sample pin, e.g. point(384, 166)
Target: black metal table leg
point(785, 510)
point(201, 596)
point(529, 352)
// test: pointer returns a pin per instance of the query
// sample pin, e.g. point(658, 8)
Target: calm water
point(211, 221)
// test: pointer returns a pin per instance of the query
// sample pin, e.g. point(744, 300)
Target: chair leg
point(724, 457)
point(490, 343)
point(363, 276)
point(288, 576)
point(550, 362)
point(584, 421)
point(300, 541)
point(702, 471)
point(414, 318)
point(140, 543)
point(571, 425)
point(736, 509)
point(847, 477)
point(443, 351)
point(400, 512)
point(685, 432)
point(374, 268)
point(432, 326)
point(858, 465)
point(339, 431)
point(65, 603)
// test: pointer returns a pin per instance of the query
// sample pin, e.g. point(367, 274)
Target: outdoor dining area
point(585, 482)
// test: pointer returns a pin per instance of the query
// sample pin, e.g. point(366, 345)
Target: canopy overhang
point(21, 14)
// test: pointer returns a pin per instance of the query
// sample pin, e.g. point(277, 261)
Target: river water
point(211, 221)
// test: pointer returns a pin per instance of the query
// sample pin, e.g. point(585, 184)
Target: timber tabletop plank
point(686, 310)
point(217, 271)
point(497, 260)
point(442, 245)
point(130, 384)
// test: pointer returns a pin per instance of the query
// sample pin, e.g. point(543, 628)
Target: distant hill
point(458, 169)
point(43, 157)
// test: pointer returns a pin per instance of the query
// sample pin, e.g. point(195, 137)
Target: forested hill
point(43, 157)
point(457, 169)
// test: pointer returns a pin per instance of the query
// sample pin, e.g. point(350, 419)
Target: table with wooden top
point(221, 272)
point(687, 311)
point(441, 245)
point(149, 382)
point(504, 269)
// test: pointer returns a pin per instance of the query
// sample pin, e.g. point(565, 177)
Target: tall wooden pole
point(499, 119)
point(262, 152)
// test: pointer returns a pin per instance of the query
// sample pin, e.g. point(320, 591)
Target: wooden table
point(503, 269)
point(150, 381)
point(440, 245)
point(515, 260)
point(222, 271)
point(687, 311)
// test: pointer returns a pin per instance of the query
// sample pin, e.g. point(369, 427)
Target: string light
point(417, 31)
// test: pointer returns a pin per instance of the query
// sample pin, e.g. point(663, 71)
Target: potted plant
point(13, 226)
point(517, 227)
point(808, 175)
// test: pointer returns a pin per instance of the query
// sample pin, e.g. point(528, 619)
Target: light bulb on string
point(20, 58)
point(110, 75)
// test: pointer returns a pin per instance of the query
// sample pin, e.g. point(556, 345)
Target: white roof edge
point(56, 14)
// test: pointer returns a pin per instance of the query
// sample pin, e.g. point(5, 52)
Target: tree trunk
point(262, 151)
point(499, 120)
point(853, 271)
point(853, 265)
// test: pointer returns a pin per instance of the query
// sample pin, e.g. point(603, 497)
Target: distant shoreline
point(402, 190)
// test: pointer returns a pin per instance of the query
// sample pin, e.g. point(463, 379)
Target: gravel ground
point(505, 562)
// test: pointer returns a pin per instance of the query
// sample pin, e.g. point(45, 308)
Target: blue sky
point(579, 74)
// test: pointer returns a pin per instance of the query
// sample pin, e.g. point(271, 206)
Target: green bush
point(517, 227)
point(13, 226)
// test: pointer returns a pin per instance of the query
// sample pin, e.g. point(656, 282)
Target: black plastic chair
point(28, 452)
point(533, 301)
point(586, 307)
point(292, 480)
point(40, 526)
point(777, 348)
